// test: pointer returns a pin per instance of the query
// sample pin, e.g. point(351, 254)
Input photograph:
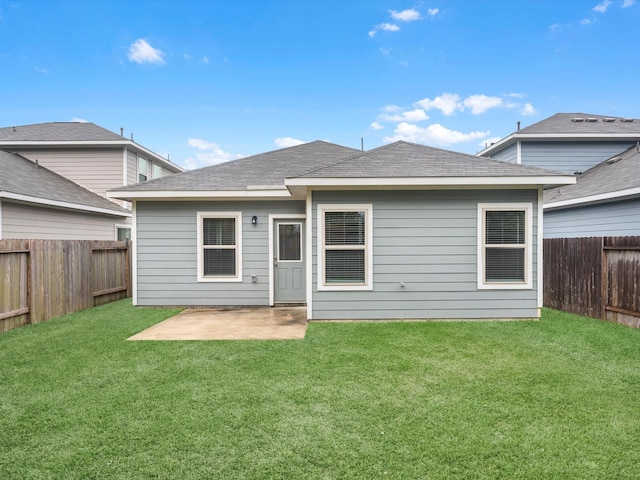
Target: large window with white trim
point(345, 247)
point(505, 256)
point(219, 246)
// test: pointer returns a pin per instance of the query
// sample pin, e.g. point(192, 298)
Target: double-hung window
point(345, 247)
point(505, 258)
point(143, 169)
point(219, 247)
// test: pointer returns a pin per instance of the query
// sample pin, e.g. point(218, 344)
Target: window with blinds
point(346, 241)
point(506, 245)
point(219, 249)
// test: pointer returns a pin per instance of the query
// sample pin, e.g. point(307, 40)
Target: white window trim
point(368, 248)
point(528, 246)
point(200, 253)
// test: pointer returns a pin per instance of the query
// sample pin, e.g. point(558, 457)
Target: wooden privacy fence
point(598, 277)
point(44, 279)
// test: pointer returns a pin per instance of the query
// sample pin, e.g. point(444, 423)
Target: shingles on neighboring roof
point(265, 169)
point(326, 160)
point(621, 172)
point(404, 159)
point(58, 132)
point(24, 177)
point(582, 123)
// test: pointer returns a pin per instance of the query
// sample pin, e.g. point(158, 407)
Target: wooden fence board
point(597, 277)
point(43, 279)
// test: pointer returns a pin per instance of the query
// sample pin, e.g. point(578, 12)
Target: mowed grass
point(558, 398)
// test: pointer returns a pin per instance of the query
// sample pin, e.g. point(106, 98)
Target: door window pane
point(289, 242)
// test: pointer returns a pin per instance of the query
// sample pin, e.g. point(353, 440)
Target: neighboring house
point(91, 156)
point(401, 231)
point(605, 201)
point(37, 203)
point(601, 151)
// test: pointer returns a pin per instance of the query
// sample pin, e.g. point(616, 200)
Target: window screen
point(505, 242)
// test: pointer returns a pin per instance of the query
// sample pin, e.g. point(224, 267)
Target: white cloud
point(384, 27)
point(408, 15)
point(602, 6)
point(416, 115)
point(527, 109)
point(43, 70)
point(628, 3)
point(207, 153)
point(586, 21)
point(433, 12)
point(481, 103)
point(205, 59)
point(447, 103)
point(79, 120)
point(434, 134)
point(141, 52)
point(376, 126)
point(284, 142)
point(516, 95)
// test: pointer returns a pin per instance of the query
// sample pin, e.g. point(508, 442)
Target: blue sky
point(209, 81)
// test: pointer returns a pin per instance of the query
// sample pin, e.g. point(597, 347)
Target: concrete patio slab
point(247, 323)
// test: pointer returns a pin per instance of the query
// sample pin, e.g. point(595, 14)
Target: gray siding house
point(90, 156)
point(602, 152)
point(37, 203)
point(401, 231)
point(605, 201)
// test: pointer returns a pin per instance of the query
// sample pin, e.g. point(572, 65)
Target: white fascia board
point(58, 204)
point(429, 181)
point(198, 195)
point(602, 197)
point(557, 136)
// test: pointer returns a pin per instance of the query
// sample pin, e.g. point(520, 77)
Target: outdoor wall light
point(254, 220)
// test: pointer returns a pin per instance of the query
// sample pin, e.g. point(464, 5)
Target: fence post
point(604, 287)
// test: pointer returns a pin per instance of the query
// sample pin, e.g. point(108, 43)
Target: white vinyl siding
point(34, 222)
point(346, 241)
point(504, 240)
point(219, 246)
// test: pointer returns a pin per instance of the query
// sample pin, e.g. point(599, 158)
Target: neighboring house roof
point(613, 179)
point(283, 172)
point(32, 183)
point(573, 126)
point(71, 134)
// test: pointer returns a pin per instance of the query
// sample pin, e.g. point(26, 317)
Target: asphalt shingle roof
point(620, 172)
point(582, 123)
point(58, 132)
point(24, 177)
point(404, 159)
point(269, 169)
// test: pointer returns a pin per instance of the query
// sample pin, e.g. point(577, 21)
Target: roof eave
point(266, 194)
point(593, 199)
point(63, 205)
point(516, 137)
point(408, 182)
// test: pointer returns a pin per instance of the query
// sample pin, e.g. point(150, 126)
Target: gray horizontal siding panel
point(604, 219)
point(435, 255)
point(509, 154)
point(36, 222)
point(570, 157)
point(167, 253)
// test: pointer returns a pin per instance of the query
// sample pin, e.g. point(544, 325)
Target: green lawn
point(559, 398)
